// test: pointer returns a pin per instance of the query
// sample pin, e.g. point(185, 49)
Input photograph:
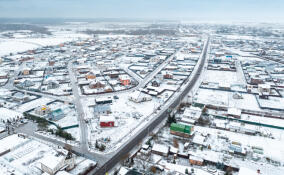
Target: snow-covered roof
point(107, 118)
point(192, 157)
point(198, 139)
point(52, 160)
point(160, 148)
point(234, 111)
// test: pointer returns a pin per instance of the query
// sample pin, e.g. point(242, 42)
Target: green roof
point(187, 129)
point(177, 127)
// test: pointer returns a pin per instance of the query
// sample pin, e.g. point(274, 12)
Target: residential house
point(167, 75)
point(139, 97)
point(102, 109)
point(57, 160)
point(194, 160)
point(96, 84)
point(107, 121)
point(156, 83)
point(42, 110)
point(124, 80)
point(161, 150)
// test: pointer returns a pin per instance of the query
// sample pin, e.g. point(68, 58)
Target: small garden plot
point(276, 103)
point(221, 98)
point(127, 114)
point(264, 120)
point(61, 89)
point(222, 77)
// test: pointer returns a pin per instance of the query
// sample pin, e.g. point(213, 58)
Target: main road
point(80, 110)
point(173, 103)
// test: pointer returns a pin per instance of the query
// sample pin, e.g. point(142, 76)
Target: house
point(51, 62)
point(219, 54)
point(103, 100)
point(42, 110)
point(26, 83)
point(113, 74)
point(192, 112)
point(161, 150)
point(108, 89)
point(156, 83)
point(236, 148)
point(57, 160)
point(107, 121)
point(194, 160)
point(139, 97)
point(126, 171)
point(154, 59)
point(181, 130)
point(256, 80)
point(96, 84)
point(26, 71)
point(90, 75)
point(124, 80)
point(52, 84)
point(167, 75)
point(102, 109)
point(264, 90)
point(199, 140)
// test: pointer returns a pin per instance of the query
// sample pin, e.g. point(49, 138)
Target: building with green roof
point(181, 129)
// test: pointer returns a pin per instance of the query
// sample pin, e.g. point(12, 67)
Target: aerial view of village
point(141, 97)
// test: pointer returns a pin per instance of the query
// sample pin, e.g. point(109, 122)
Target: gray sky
point(261, 10)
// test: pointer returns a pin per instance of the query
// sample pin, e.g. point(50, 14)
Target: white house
point(139, 97)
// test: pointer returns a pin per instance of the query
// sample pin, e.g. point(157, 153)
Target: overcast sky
point(261, 10)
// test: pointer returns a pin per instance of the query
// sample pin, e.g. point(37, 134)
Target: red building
point(107, 121)
point(124, 80)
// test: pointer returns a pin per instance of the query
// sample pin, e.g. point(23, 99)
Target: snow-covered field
point(21, 44)
point(222, 77)
point(224, 98)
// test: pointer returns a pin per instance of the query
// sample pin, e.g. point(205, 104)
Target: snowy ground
point(224, 98)
point(124, 111)
point(223, 77)
point(20, 44)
